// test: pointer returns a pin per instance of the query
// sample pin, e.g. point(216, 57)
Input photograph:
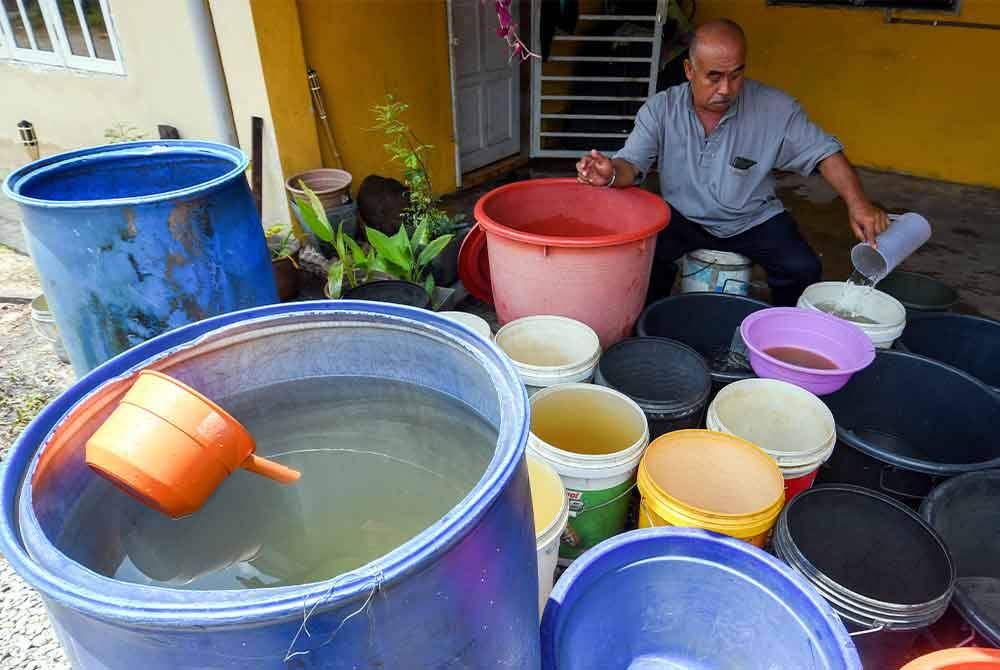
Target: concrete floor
point(964, 250)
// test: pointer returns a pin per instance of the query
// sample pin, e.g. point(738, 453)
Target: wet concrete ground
point(964, 250)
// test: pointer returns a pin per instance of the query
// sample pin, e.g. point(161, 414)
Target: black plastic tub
point(670, 381)
point(881, 567)
point(706, 322)
point(965, 511)
point(906, 422)
point(391, 290)
point(919, 293)
point(970, 343)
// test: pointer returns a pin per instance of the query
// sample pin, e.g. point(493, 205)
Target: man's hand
point(867, 221)
point(595, 169)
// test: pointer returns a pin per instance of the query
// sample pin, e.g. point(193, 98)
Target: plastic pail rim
point(104, 598)
point(590, 466)
point(668, 506)
point(814, 454)
point(654, 225)
point(21, 177)
point(579, 369)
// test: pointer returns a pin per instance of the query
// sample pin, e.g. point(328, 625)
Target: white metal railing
point(620, 89)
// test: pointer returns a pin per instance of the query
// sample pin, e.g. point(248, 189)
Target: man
point(716, 140)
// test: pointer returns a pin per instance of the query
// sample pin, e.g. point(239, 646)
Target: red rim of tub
point(474, 265)
point(497, 228)
point(954, 658)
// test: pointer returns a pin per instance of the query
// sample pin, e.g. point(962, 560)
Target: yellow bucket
point(551, 508)
point(715, 481)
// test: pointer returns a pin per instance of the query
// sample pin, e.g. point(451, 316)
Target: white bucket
point(550, 350)
point(706, 270)
point(551, 508)
point(476, 323)
point(598, 485)
point(45, 327)
point(887, 312)
point(789, 423)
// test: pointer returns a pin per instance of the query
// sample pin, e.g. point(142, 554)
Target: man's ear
point(688, 69)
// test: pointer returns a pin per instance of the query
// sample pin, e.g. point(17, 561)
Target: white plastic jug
point(905, 234)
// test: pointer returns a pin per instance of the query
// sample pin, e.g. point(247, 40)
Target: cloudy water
point(380, 460)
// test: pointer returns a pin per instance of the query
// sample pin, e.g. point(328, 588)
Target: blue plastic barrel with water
point(461, 594)
point(133, 240)
point(688, 598)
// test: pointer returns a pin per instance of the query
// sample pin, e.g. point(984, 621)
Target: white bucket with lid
point(550, 350)
point(477, 323)
point(707, 270)
point(888, 313)
point(44, 325)
point(791, 424)
point(594, 437)
point(551, 509)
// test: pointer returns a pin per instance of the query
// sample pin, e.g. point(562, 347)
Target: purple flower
point(503, 14)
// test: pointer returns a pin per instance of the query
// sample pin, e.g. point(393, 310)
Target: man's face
point(716, 73)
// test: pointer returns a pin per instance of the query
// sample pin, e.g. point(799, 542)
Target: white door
point(486, 86)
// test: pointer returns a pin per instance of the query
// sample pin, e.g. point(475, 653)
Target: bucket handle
point(642, 506)
point(877, 629)
point(608, 502)
point(895, 492)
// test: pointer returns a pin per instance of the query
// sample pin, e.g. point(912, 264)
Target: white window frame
point(61, 55)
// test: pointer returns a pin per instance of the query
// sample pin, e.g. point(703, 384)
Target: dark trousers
point(776, 245)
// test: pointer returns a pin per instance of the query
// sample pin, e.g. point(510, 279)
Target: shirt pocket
point(738, 186)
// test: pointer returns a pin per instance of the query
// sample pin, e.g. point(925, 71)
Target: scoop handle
point(270, 469)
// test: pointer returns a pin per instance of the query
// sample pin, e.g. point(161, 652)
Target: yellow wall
point(283, 63)
point(915, 99)
point(364, 49)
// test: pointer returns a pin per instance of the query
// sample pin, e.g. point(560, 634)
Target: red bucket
point(563, 248)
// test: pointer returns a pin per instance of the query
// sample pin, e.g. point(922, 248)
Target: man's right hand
point(594, 169)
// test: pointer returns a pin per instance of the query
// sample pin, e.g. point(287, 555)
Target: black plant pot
point(391, 290)
point(445, 266)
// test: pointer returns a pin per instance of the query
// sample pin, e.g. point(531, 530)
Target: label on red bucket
point(594, 516)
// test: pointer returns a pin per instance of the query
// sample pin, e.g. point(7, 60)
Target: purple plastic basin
point(840, 341)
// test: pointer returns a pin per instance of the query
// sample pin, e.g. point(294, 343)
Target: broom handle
point(321, 111)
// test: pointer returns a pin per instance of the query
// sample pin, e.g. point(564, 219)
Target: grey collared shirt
point(723, 181)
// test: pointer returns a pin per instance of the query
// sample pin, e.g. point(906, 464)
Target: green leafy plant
point(406, 150)
point(279, 242)
point(406, 256)
point(402, 255)
point(352, 263)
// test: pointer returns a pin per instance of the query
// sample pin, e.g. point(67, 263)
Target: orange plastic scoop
point(170, 447)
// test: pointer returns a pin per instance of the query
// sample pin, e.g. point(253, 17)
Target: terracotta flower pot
point(286, 277)
point(331, 186)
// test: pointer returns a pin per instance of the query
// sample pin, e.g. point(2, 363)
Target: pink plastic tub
point(840, 342)
point(564, 248)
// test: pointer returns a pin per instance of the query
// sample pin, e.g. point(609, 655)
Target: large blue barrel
point(461, 594)
point(132, 240)
point(688, 598)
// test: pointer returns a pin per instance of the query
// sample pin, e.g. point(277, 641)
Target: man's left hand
point(867, 221)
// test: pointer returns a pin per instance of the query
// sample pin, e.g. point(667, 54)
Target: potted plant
point(423, 211)
point(284, 250)
point(331, 186)
point(399, 262)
